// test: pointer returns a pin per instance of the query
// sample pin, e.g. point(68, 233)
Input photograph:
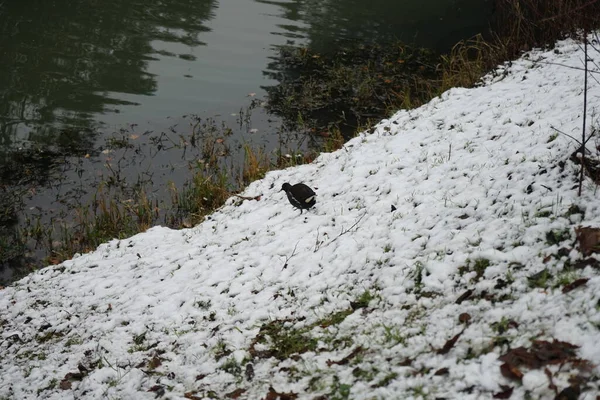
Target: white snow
point(475, 179)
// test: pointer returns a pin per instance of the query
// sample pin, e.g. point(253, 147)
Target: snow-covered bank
point(354, 299)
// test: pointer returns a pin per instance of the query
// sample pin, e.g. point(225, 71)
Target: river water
point(73, 72)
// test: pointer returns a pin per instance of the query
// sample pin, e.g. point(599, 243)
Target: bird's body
point(300, 195)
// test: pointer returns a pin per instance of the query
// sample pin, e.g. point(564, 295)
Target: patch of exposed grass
point(480, 265)
point(386, 380)
point(232, 366)
point(556, 237)
point(334, 319)
point(282, 340)
point(540, 279)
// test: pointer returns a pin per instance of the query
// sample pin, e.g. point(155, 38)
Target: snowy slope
point(351, 299)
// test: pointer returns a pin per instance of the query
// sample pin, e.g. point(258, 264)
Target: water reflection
point(61, 60)
point(435, 24)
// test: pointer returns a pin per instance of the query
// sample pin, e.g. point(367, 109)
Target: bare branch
point(585, 79)
point(566, 134)
point(343, 232)
point(287, 259)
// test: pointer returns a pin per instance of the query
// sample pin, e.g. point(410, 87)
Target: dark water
point(75, 72)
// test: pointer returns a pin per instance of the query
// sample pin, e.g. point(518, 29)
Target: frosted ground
point(472, 285)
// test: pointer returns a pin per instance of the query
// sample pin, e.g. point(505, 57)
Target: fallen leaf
point(592, 262)
point(520, 356)
point(249, 372)
point(449, 344)
point(65, 384)
point(273, 395)
point(505, 393)
point(513, 324)
point(346, 359)
point(464, 318)
point(154, 362)
point(191, 396)
point(442, 371)
point(569, 393)
point(553, 352)
point(236, 393)
point(588, 239)
point(511, 372)
point(464, 296)
point(158, 389)
point(551, 385)
point(574, 285)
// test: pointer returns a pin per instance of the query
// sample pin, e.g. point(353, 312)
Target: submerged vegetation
point(328, 97)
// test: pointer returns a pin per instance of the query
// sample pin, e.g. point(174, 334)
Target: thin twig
point(287, 259)
point(584, 112)
point(566, 134)
point(344, 231)
point(248, 197)
point(317, 243)
point(567, 66)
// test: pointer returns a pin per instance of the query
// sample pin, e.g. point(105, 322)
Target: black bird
point(300, 195)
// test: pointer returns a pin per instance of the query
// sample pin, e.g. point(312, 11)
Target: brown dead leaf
point(74, 376)
point(520, 356)
point(154, 362)
point(449, 344)
point(464, 318)
point(346, 359)
point(406, 363)
point(512, 324)
point(541, 353)
point(588, 239)
point(236, 393)
point(464, 296)
point(249, 373)
point(592, 262)
point(551, 384)
point(553, 352)
point(65, 384)
point(442, 371)
point(569, 393)
point(574, 285)
point(192, 396)
point(273, 395)
point(505, 393)
point(133, 136)
point(511, 372)
point(158, 389)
